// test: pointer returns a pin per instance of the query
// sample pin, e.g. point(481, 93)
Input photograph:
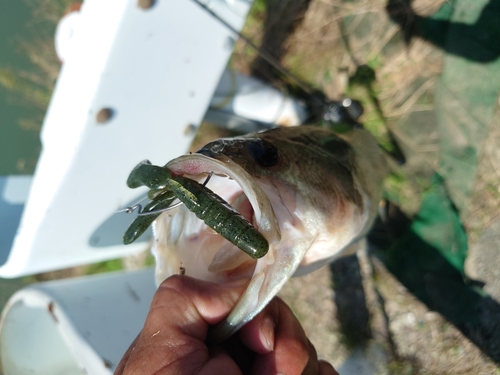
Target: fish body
point(310, 192)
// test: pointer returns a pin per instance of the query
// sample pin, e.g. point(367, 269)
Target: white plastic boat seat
point(74, 326)
point(134, 78)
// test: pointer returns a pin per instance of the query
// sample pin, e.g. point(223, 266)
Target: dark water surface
point(19, 148)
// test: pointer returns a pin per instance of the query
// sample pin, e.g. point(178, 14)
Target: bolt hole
point(104, 115)
point(145, 4)
point(190, 130)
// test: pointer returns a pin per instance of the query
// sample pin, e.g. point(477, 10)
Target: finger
point(258, 334)
point(220, 363)
point(292, 352)
point(121, 366)
point(175, 329)
point(188, 299)
point(325, 368)
point(312, 366)
point(238, 352)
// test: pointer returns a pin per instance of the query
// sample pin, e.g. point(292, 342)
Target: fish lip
point(196, 164)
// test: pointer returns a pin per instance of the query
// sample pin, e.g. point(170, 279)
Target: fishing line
point(265, 55)
point(175, 205)
point(131, 209)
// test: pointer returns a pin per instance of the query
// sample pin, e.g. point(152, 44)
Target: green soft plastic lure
point(203, 202)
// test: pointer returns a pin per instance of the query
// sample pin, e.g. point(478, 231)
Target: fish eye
point(263, 152)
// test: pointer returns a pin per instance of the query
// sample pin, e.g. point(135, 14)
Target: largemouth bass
point(310, 192)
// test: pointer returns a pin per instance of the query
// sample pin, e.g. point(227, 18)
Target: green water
point(19, 148)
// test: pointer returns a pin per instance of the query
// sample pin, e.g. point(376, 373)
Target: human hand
point(173, 338)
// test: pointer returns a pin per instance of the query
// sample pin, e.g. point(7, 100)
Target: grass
point(34, 88)
point(253, 30)
point(103, 267)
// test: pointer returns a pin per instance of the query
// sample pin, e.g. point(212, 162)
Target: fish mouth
point(198, 166)
point(184, 241)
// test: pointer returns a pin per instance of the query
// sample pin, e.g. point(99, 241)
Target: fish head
point(305, 190)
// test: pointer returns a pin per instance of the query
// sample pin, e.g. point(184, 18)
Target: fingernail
point(267, 333)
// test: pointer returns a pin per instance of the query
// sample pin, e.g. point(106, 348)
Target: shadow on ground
point(350, 300)
point(476, 42)
point(276, 31)
point(428, 275)
point(432, 278)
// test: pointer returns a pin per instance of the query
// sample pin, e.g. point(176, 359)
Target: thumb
point(179, 316)
point(193, 303)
